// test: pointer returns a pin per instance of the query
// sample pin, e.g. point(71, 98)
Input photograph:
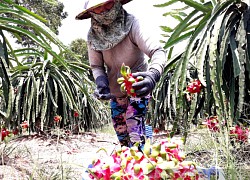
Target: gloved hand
point(146, 86)
point(102, 90)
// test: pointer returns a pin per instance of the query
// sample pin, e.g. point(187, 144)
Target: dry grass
point(208, 149)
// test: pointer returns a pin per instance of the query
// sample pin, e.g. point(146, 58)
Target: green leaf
point(166, 29)
point(235, 55)
point(26, 11)
point(178, 40)
point(197, 6)
point(241, 38)
point(180, 27)
point(178, 18)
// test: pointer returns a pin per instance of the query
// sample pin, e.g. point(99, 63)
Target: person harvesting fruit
point(116, 38)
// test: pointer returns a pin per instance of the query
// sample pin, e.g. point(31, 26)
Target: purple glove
point(102, 90)
point(146, 86)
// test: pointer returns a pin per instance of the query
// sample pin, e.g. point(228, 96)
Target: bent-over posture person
point(116, 37)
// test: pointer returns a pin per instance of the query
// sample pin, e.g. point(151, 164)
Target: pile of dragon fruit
point(161, 160)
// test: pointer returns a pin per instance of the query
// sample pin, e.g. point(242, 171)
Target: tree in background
point(79, 47)
point(50, 85)
point(53, 12)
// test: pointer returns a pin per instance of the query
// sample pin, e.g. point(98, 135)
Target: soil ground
point(41, 157)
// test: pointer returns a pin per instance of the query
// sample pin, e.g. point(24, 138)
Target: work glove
point(146, 86)
point(102, 90)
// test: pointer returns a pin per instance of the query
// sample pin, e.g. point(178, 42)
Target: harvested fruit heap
point(162, 160)
point(127, 81)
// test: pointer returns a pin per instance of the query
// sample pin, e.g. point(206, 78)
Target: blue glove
point(146, 86)
point(102, 90)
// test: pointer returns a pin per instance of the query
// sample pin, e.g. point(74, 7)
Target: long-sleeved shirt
point(130, 51)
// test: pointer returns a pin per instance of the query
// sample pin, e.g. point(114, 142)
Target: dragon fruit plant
point(127, 81)
point(161, 160)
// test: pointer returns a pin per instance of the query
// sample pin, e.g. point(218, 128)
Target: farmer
point(116, 37)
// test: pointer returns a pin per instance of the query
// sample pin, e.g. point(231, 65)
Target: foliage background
point(216, 53)
point(38, 82)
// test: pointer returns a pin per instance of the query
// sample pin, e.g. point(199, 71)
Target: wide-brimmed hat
point(92, 4)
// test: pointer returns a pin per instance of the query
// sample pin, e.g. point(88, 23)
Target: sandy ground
point(41, 157)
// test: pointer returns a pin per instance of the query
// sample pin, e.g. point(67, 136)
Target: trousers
point(128, 118)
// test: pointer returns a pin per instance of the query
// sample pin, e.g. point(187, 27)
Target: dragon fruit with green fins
point(159, 161)
point(127, 80)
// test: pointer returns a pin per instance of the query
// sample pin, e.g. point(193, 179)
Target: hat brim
point(85, 14)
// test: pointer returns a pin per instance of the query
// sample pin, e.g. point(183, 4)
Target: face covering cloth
point(109, 28)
